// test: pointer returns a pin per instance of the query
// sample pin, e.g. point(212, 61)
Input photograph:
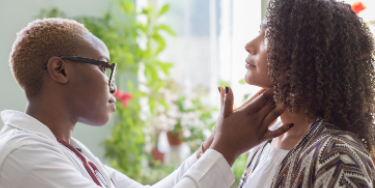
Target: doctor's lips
point(112, 100)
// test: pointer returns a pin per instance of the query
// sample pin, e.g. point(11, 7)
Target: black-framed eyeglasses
point(107, 68)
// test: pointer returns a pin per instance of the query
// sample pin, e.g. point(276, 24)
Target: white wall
point(14, 15)
point(368, 13)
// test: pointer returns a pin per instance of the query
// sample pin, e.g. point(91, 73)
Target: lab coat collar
point(27, 123)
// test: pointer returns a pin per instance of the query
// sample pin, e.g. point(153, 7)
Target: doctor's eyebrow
point(103, 57)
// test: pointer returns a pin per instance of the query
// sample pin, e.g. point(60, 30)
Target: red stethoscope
point(90, 167)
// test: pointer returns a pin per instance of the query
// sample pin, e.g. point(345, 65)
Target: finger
point(275, 133)
point(208, 142)
point(222, 95)
point(228, 102)
point(252, 98)
point(258, 102)
point(273, 115)
point(263, 112)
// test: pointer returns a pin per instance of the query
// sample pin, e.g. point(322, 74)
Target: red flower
point(358, 7)
point(124, 97)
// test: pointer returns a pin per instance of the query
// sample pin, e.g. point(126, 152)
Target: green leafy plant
point(126, 146)
point(187, 115)
point(238, 169)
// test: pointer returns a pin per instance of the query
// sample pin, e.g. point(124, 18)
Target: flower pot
point(174, 138)
point(159, 156)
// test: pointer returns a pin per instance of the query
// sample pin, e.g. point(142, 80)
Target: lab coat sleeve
point(211, 170)
point(41, 165)
point(170, 181)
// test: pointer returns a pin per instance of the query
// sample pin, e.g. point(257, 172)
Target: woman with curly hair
point(318, 56)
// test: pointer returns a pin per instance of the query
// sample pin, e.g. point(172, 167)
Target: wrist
point(227, 152)
point(201, 150)
point(205, 146)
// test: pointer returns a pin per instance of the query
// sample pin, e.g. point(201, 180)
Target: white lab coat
point(30, 156)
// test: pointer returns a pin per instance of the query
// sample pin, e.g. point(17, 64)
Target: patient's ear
point(58, 69)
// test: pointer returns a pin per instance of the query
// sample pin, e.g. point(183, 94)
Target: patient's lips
point(249, 63)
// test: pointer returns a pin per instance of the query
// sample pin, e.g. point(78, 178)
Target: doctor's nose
point(112, 88)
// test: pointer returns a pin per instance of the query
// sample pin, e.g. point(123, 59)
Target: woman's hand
point(207, 144)
point(239, 130)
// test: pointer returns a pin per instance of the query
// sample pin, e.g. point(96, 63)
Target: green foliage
point(52, 13)
point(223, 84)
point(125, 146)
point(190, 115)
point(238, 168)
point(242, 81)
point(203, 114)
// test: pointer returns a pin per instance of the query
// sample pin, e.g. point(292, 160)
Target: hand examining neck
point(237, 131)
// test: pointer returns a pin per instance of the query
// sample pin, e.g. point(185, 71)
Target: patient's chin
point(258, 83)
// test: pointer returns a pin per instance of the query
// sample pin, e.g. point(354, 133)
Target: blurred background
point(171, 55)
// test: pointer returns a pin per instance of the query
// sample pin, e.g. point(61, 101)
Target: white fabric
point(269, 163)
point(30, 156)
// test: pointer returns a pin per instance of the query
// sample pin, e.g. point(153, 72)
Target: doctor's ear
point(57, 69)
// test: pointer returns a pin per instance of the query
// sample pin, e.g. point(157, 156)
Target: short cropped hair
point(37, 43)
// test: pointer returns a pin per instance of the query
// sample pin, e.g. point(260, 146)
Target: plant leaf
point(164, 9)
point(166, 28)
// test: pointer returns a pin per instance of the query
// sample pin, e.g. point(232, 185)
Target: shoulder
point(33, 153)
point(341, 154)
point(30, 152)
point(14, 138)
point(331, 140)
point(25, 147)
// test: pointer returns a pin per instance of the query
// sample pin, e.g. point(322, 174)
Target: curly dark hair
point(321, 55)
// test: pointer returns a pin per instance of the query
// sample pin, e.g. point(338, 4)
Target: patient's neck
point(301, 126)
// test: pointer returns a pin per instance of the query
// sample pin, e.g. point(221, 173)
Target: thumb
point(252, 98)
point(228, 102)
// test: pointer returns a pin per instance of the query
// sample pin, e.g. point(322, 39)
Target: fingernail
point(219, 89)
point(226, 90)
point(291, 125)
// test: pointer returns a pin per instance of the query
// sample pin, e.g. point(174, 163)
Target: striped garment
point(326, 157)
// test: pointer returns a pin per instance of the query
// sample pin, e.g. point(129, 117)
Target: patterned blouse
point(326, 157)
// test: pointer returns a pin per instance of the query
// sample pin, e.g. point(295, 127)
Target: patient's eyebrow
point(264, 24)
